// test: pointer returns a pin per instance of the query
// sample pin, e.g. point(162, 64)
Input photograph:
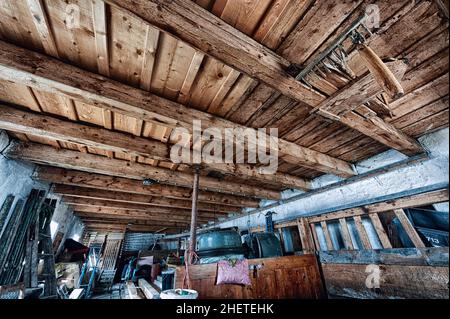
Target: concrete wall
point(15, 176)
point(16, 179)
point(425, 174)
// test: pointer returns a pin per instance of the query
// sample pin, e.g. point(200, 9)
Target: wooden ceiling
point(231, 74)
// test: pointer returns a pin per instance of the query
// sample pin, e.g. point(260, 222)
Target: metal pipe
point(193, 236)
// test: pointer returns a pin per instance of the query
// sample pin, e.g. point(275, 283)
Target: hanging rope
point(190, 258)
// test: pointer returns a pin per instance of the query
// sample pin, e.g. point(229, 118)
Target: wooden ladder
point(40, 247)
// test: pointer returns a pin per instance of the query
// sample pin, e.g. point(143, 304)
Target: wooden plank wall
point(404, 273)
point(290, 277)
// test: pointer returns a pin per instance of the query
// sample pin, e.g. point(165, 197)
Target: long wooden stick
point(385, 78)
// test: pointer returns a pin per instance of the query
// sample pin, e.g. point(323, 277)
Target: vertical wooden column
point(193, 235)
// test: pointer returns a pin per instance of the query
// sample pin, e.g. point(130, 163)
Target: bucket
point(179, 294)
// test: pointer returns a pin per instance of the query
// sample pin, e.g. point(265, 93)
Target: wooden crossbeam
point(136, 222)
point(182, 19)
point(148, 211)
point(326, 233)
point(157, 218)
point(70, 200)
point(118, 184)
point(95, 194)
point(345, 234)
point(69, 159)
point(44, 73)
point(46, 126)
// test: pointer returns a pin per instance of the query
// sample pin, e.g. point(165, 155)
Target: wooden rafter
point(47, 74)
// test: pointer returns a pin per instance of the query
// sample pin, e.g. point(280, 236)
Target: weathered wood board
point(289, 277)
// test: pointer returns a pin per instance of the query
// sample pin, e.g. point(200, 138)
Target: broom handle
point(385, 78)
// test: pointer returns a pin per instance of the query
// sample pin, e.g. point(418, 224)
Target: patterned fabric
point(233, 271)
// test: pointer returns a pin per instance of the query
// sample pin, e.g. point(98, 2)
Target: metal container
point(219, 242)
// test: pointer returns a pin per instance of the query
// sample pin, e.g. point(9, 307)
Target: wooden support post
point(193, 236)
point(409, 229)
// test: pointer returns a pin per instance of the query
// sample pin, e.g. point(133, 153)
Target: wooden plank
point(305, 235)
point(147, 289)
point(277, 278)
point(132, 291)
point(102, 207)
point(40, 19)
point(432, 256)
point(410, 282)
point(82, 192)
point(345, 234)
point(151, 46)
point(33, 69)
point(326, 233)
point(362, 232)
point(384, 239)
point(101, 36)
point(97, 181)
point(409, 229)
point(102, 165)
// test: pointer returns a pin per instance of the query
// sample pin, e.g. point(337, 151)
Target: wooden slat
point(409, 229)
point(384, 239)
point(305, 235)
point(326, 233)
point(33, 69)
point(101, 36)
point(40, 20)
point(362, 232)
point(345, 234)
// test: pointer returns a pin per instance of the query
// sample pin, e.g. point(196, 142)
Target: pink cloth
point(233, 272)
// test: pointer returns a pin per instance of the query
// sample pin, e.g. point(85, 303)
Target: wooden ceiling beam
point(133, 222)
point(46, 126)
point(82, 192)
point(80, 201)
point(153, 211)
point(162, 218)
point(208, 33)
point(99, 227)
point(44, 73)
point(69, 159)
point(119, 184)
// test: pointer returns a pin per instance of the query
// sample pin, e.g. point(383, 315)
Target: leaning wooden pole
point(193, 235)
